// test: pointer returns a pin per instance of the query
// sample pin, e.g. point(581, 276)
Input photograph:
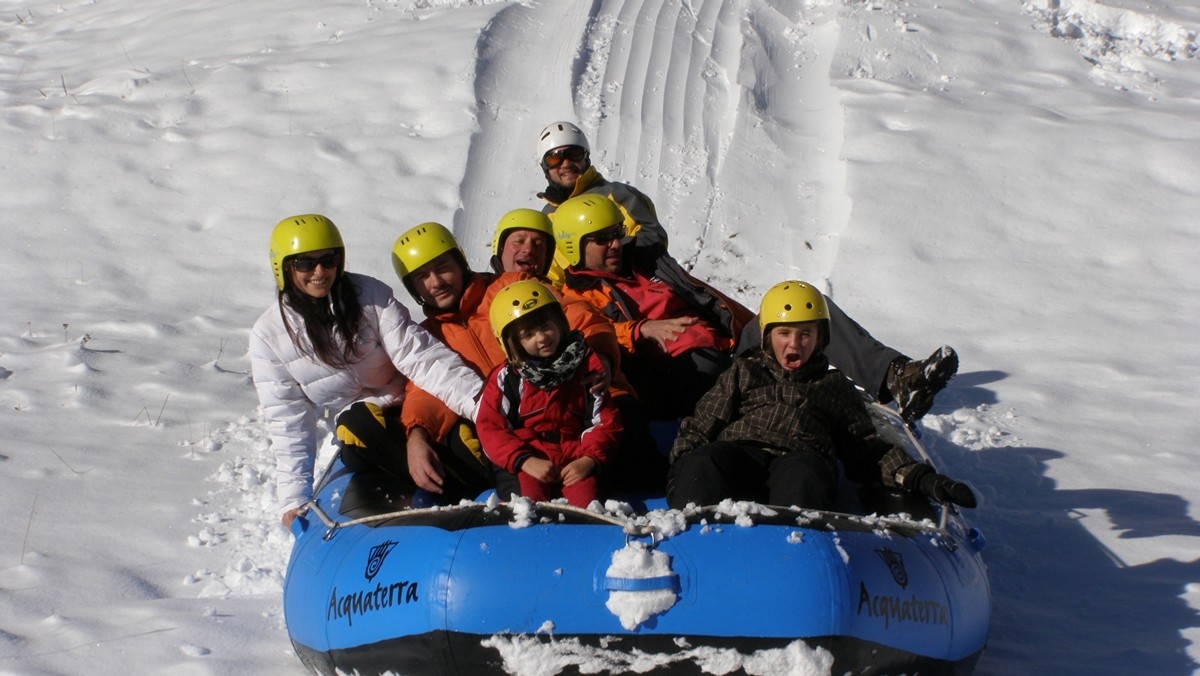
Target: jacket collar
point(583, 278)
point(556, 194)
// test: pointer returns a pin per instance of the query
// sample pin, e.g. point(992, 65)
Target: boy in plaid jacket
point(774, 426)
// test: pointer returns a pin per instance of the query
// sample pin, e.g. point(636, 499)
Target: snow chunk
point(637, 561)
point(524, 512)
point(743, 513)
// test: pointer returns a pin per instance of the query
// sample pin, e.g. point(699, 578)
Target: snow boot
point(914, 384)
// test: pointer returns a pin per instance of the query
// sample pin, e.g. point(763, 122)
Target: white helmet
point(559, 134)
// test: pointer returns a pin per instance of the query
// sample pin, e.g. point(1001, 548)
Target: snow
point(536, 656)
point(638, 561)
point(1015, 179)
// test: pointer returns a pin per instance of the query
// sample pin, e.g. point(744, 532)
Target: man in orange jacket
point(677, 333)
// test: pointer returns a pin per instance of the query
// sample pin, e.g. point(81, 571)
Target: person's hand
point(598, 381)
point(924, 480)
point(578, 469)
point(541, 469)
point(945, 489)
point(663, 331)
point(424, 465)
point(290, 516)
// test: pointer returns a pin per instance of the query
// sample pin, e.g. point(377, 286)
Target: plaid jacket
point(756, 401)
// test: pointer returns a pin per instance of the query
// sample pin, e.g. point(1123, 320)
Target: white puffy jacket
point(295, 389)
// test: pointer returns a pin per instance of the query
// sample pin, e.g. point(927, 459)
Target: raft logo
point(901, 610)
point(366, 601)
point(375, 559)
point(895, 564)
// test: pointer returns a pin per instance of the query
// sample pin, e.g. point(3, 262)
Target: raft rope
point(630, 528)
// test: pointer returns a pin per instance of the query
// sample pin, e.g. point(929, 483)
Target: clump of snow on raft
point(743, 512)
point(637, 561)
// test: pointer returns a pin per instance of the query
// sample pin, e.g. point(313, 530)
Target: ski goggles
point(607, 235)
point(555, 157)
point(309, 263)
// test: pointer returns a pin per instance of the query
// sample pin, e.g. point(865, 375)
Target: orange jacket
point(469, 333)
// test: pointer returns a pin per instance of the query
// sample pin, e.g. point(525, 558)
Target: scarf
point(549, 373)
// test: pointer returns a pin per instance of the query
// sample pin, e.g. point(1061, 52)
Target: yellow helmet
point(302, 234)
point(789, 302)
point(579, 217)
point(523, 219)
point(421, 244)
point(520, 219)
point(517, 300)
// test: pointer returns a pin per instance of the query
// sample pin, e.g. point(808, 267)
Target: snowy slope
point(1015, 179)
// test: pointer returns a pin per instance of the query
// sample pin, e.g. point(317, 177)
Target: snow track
point(679, 99)
point(515, 100)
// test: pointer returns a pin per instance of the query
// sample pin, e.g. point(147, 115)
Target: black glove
point(921, 478)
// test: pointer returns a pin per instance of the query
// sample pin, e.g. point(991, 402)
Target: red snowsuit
point(561, 425)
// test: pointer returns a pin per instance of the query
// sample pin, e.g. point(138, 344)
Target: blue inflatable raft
point(375, 585)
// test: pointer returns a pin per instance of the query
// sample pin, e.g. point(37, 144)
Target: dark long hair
point(339, 314)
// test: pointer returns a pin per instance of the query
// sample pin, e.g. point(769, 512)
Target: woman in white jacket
point(333, 338)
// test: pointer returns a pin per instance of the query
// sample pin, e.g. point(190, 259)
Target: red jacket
point(651, 299)
point(561, 425)
point(632, 298)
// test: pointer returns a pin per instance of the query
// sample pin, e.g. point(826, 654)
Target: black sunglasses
point(555, 157)
point(329, 261)
point(605, 236)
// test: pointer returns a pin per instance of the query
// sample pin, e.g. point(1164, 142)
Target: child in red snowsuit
point(537, 419)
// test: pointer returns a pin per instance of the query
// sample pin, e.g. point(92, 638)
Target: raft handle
point(640, 584)
point(976, 539)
